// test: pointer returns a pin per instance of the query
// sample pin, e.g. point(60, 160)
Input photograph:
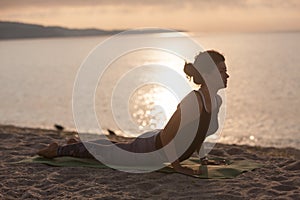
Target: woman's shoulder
point(199, 95)
point(191, 95)
point(193, 98)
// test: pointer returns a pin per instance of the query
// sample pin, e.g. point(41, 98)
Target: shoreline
point(68, 130)
point(278, 178)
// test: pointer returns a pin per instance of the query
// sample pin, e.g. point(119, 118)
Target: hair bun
point(189, 69)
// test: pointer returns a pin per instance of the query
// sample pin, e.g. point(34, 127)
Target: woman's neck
point(208, 95)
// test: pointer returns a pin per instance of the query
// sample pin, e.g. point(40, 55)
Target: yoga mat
point(231, 170)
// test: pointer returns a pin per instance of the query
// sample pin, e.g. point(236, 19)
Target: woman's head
point(205, 63)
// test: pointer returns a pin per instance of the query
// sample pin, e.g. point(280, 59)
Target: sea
point(38, 78)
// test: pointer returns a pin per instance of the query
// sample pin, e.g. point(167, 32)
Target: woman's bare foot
point(50, 151)
point(72, 141)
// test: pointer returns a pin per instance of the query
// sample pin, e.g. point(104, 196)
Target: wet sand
point(279, 178)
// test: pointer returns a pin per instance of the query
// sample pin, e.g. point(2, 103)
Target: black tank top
point(202, 129)
point(201, 132)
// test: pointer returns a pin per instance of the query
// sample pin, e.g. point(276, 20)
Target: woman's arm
point(166, 137)
point(171, 128)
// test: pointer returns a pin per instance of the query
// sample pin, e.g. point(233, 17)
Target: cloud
point(212, 15)
point(12, 4)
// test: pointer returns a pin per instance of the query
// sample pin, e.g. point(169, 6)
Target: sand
point(279, 178)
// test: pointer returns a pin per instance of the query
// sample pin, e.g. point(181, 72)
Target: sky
point(189, 15)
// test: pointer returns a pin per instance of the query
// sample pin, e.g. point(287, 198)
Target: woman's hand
point(184, 170)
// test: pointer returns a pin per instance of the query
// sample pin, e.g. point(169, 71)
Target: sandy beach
point(279, 178)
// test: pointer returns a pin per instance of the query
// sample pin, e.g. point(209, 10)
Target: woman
point(209, 87)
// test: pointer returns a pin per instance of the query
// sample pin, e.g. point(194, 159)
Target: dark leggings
point(75, 150)
point(139, 145)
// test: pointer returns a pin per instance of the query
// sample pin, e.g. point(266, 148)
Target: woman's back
point(188, 125)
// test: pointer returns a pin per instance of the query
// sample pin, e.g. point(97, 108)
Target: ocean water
point(262, 99)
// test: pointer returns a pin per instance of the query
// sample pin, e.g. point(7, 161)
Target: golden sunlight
point(192, 15)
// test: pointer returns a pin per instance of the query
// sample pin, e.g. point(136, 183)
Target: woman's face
point(223, 71)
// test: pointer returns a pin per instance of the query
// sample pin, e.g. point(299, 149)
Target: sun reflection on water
point(151, 106)
point(145, 87)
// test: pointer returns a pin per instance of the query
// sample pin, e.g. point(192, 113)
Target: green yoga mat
point(231, 170)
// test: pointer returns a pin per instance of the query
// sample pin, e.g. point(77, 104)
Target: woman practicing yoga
point(207, 102)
